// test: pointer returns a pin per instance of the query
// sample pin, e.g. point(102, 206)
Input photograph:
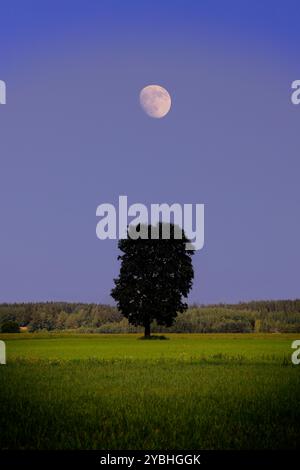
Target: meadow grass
point(66, 346)
point(220, 391)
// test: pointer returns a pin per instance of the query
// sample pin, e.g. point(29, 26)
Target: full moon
point(155, 101)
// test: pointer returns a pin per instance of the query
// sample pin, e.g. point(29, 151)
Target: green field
point(209, 391)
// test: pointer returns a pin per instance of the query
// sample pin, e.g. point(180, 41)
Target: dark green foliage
point(260, 316)
point(10, 327)
point(59, 315)
point(155, 276)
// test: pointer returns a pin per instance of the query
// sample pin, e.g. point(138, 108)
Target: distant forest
point(246, 317)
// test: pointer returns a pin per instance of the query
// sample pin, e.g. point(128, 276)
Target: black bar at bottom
point(136, 459)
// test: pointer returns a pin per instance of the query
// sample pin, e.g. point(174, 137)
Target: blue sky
point(73, 136)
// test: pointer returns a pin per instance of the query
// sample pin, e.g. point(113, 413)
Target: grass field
point(218, 391)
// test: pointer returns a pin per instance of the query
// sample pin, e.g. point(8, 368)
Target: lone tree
point(155, 275)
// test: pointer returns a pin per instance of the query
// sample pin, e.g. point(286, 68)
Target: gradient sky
point(73, 136)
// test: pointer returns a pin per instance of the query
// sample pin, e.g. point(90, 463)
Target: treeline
point(58, 315)
point(265, 306)
point(246, 317)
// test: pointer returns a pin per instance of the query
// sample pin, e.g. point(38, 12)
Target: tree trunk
point(147, 329)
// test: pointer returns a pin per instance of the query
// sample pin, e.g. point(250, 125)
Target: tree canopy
point(156, 275)
point(10, 327)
